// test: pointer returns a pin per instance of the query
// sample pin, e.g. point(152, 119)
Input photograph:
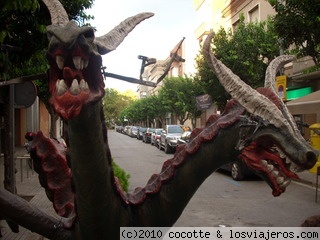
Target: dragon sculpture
point(255, 126)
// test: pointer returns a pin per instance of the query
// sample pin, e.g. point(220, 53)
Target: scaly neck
point(96, 198)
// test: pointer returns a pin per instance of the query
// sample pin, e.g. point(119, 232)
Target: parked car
point(169, 138)
point(146, 135)
point(133, 131)
point(119, 129)
point(238, 169)
point(185, 137)
point(140, 131)
point(155, 136)
point(126, 130)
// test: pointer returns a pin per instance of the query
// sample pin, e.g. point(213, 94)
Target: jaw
point(277, 163)
point(75, 80)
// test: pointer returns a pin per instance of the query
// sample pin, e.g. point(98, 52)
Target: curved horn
point(250, 99)
point(273, 67)
point(58, 14)
point(271, 73)
point(112, 39)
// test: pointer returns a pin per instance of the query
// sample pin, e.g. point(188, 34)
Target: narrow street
point(219, 200)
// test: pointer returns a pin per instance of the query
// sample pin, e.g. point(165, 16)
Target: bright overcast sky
point(154, 37)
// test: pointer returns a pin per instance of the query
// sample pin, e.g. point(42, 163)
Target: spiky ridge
point(49, 159)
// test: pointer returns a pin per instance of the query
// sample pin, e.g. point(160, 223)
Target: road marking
point(304, 185)
point(233, 182)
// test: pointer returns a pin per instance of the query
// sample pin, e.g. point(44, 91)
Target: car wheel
point(236, 172)
point(167, 148)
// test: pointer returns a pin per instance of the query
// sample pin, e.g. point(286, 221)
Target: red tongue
point(68, 73)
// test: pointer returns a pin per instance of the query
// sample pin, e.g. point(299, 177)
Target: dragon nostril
point(311, 158)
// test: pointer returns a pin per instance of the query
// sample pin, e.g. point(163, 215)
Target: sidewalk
point(29, 188)
point(309, 179)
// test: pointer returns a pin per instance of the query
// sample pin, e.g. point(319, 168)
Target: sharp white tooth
point(282, 155)
point(74, 89)
point(285, 183)
point(84, 85)
point(275, 173)
point(85, 63)
point(81, 64)
point(77, 62)
point(264, 162)
point(295, 168)
point(60, 61)
point(270, 167)
point(61, 87)
point(280, 180)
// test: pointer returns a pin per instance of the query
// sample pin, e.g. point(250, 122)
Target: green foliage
point(113, 103)
point(122, 176)
point(178, 97)
point(312, 69)
point(246, 51)
point(297, 22)
point(19, 4)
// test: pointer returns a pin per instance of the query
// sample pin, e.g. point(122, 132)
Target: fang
point(60, 61)
point(78, 62)
point(74, 89)
point(61, 87)
point(84, 85)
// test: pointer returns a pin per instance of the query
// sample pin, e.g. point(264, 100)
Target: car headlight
point(172, 138)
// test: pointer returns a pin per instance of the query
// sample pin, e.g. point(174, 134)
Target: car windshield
point(158, 132)
point(175, 129)
point(150, 129)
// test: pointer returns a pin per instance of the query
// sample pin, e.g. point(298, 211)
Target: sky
point(154, 37)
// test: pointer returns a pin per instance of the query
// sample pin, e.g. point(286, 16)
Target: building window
point(253, 14)
point(235, 25)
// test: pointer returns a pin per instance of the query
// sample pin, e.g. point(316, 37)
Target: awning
point(306, 104)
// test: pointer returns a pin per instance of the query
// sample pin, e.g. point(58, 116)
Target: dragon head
point(74, 56)
point(270, 142)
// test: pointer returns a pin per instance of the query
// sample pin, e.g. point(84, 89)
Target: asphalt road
point(219, 200)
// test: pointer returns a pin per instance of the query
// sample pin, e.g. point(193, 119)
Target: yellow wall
point(44, 119)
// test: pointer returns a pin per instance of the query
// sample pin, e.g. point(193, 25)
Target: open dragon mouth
point(75, 80)
point(270, 162)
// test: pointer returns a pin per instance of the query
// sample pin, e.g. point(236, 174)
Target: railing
point(25, 163)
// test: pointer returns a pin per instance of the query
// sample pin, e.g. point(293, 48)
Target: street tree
point(159, 110)
point(113, 103)
point(246, 51)
point(297, 24)
point(178, 97)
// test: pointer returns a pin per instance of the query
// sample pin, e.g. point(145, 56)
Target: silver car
point(169, 138)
